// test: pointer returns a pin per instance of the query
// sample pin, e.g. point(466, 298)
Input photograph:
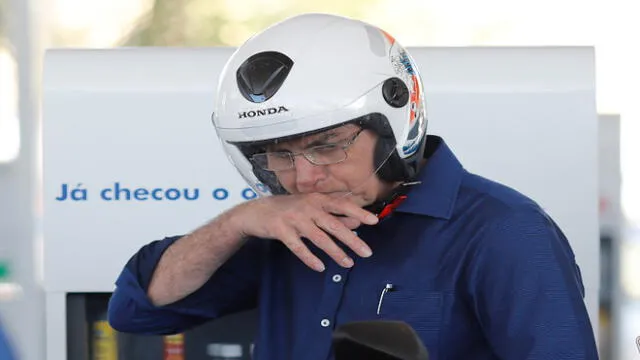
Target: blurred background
point(28, 27)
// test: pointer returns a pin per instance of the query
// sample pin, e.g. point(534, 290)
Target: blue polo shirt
point(478, 269)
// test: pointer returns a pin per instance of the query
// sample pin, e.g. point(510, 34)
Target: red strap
point(388, 209)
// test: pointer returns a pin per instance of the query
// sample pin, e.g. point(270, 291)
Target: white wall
point(140, 117)
point(610, 173)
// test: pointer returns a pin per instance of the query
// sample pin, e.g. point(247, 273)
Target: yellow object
point(174, 347)
point(105, 344)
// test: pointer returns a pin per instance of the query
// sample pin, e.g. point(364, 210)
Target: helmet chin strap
point(385, 206)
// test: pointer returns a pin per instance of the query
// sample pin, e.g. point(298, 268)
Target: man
point(362, 216)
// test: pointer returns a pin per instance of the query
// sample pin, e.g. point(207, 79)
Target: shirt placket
point(325, 319)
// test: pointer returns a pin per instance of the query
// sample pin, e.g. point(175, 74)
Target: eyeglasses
point(325, 154)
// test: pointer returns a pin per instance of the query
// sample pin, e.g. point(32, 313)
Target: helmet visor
point(341, 160)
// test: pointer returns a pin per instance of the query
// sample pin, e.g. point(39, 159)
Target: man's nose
point(307, 174)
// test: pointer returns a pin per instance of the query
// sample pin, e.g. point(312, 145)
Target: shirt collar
point(440, 180)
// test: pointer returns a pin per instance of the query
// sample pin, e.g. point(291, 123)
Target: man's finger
point(292, 241)
point(349, 209)
point(324, 242)
point(335, 227)
point(349, 223)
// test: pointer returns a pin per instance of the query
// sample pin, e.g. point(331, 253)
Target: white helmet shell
point(318, 71)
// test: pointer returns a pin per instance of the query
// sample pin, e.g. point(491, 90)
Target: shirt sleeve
point(527, 291)
point(233, 288)
point(6, 347)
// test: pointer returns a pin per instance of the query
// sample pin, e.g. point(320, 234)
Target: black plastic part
point(262, 75)
point(395, 92)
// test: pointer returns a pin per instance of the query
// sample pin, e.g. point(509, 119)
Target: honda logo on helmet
point(262, 112)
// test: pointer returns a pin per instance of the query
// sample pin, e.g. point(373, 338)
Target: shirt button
point(325, 322)
point(336, 278)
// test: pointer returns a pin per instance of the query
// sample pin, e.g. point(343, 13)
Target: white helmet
point(314, 72)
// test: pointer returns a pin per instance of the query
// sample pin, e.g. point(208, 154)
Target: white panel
point(56, 325)
point(609, 174)
point(140, 117)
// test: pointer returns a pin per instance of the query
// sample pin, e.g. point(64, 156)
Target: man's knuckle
point(317, 237)
point(278, 228)
point(288, 216)
point(333, 223)
point(295, 247)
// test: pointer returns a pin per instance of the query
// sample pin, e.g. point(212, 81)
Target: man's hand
point(317, 217)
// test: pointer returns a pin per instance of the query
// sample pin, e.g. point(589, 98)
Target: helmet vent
point(395, 92)
point(262, 75)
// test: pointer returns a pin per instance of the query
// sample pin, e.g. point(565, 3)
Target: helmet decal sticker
point(404, 67)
